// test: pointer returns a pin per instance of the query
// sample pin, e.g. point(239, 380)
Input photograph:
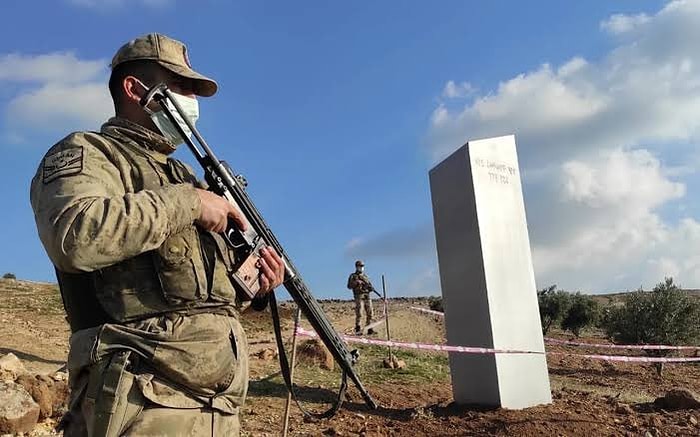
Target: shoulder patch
point(67, 162)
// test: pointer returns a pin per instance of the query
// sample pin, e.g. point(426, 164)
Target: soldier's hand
point(216, 211)
point(271, 270)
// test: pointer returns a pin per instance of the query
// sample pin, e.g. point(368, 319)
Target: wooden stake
point(287, 408)
point(386, 317)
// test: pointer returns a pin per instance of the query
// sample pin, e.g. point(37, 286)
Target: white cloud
point(54, 91)
point(631, 181)
point(453, 90)
point(52, 67)
point(623, 255)
point(55, 105)
point(679, 257)
point(603, 219)
point(591, 136)
point(575, 65)
point(353, 243)
point(619, 23)
point(645, 91)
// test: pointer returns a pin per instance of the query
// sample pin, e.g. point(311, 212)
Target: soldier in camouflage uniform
point(361, 287)
point(156, 347)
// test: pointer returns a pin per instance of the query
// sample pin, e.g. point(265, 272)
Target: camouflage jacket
point(90, 216)
point(106, 209)
point(359, 283)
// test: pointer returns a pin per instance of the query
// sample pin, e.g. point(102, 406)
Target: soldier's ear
point(133, 89)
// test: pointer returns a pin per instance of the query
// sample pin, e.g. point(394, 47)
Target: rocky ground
point(590, 397)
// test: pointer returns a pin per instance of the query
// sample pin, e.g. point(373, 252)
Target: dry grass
point(627, 396)
point(38, 297)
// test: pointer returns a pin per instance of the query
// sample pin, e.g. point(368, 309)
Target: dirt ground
point(592, 398)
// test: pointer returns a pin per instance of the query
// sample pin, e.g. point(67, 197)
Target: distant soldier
point(361, 287)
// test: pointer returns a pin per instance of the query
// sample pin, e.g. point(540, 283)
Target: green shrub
point(554, 304)
point(665, 315)
point(9, 276)
point(436, 304)
point(583, 312)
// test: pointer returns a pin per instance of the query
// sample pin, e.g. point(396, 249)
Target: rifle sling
point(284, 368)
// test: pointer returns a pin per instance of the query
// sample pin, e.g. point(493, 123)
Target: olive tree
point(553, 304)
point(583, 312)
point(665, 315)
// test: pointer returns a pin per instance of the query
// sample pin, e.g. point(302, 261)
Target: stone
point(486, 275)
point(267, 354)
point(60, 376)
point(310, 419)
point(678, 399)
point(655, 422)
point(9, 363)
point(40, 392)
point(393, 363)
point(49, 394)
point(624, 409)
point(18, 411)
point(314, 352)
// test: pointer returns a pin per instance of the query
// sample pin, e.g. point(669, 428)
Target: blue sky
point(335, 112)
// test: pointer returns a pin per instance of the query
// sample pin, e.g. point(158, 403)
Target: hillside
point(591, 397)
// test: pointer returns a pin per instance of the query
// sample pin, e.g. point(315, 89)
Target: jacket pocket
point(196, 352)
point(181, 268)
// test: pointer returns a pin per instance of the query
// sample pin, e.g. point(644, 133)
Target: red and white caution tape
point(422, 346)
point(482, 350)
point(629, 359)
point(425, 310)
point(623, 346)
point(598, 345)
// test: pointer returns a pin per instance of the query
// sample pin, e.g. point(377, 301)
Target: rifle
point(366, 285)
point(247, 245)
point(371, 288)
point(374, 290)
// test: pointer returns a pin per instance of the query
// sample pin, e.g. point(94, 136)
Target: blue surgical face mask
point(189, 106)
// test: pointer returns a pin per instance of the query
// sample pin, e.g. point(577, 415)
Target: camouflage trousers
point(137, 416)
point(117, 391)
point(363, 299)
point(153, 420)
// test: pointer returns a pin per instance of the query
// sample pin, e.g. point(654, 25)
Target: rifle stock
point(223, 181)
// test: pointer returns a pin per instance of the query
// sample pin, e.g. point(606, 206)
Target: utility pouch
point(181, 268)
point(117, 399)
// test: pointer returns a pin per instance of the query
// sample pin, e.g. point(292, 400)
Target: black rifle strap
point(284, 368)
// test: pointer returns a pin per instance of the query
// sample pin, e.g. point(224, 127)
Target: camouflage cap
point(169, 53)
